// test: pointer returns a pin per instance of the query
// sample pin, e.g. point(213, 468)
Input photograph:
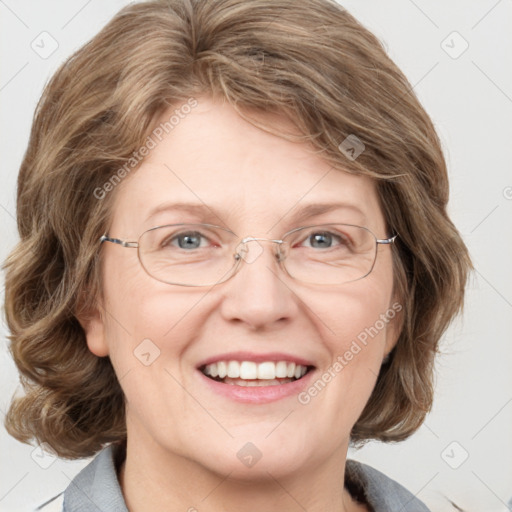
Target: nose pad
point(257, 249)
point(250, 256)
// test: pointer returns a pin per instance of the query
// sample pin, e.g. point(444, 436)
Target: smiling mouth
point(251, 374)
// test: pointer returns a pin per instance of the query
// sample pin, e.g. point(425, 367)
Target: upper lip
point(256, 358)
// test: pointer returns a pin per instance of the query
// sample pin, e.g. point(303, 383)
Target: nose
point(257, 249)
point(259, 294)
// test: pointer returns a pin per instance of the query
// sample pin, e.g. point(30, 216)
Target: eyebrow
point(206, 213)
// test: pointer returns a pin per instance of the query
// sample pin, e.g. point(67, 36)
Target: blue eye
point(324, 239)
point(186, 240)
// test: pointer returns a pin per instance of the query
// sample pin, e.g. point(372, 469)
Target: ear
point(394, 328)
point(93, 324)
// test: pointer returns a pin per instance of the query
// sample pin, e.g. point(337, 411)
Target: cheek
point(355, 326)
point(150, 316)
point(360, 313)
point(149, 332)
point(140, 314)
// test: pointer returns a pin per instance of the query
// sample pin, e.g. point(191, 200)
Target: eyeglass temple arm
point(123, 243)
point(387, 240)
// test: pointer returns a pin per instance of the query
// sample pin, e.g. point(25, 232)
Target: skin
point(183, 438)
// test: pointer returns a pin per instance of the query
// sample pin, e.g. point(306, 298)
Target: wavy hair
point(309, 61)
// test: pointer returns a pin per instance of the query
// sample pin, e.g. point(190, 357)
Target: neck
point(156, 480)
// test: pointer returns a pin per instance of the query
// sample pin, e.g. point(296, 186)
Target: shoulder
point(95, 488)
point(380, 491)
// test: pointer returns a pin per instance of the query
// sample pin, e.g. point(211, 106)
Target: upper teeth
point(250, 370)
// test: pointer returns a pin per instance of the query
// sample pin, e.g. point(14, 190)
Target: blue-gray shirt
point(96, 489)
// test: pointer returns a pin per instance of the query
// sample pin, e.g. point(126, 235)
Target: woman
point(235, 260)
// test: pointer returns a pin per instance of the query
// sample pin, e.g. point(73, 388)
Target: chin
point(258, 458)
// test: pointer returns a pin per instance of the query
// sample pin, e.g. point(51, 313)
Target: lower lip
point(258, 394)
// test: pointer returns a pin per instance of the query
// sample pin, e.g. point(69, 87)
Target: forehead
point(232, 170)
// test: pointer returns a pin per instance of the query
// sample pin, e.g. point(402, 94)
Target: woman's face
point(159, 336)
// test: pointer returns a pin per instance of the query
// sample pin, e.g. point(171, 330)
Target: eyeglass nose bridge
point(251, 256)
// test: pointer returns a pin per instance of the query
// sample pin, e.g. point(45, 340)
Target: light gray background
point(470, 101)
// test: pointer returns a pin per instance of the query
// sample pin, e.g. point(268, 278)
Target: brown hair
point(310, 61)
